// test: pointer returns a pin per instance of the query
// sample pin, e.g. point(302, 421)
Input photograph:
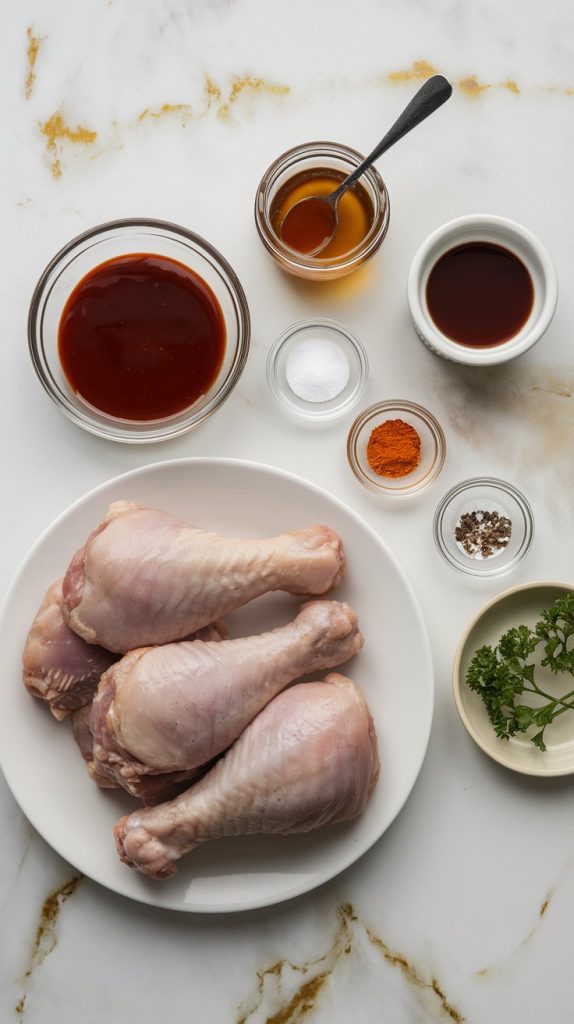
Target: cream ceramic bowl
point(519, 240)
point(520, 605)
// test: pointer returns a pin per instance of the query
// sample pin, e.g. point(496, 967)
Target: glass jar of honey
point(318, 168)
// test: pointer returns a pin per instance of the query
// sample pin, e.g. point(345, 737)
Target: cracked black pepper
point(482, 534)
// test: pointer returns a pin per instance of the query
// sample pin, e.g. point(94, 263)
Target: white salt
point(317, 370)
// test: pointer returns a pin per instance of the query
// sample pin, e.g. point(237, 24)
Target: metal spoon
point(315, 218)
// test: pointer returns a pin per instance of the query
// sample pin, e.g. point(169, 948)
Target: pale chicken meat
point(63, 670)
point(309, 759)
point(144, 577)
point(174, 708)
point(85, 741)
point(58, 666)
point(150, 790)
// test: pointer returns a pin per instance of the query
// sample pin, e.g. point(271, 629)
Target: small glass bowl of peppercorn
point(483, 527)
point(396, 448)
point(318, 168)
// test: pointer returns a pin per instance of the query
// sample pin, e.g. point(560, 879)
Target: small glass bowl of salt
point(317, 369)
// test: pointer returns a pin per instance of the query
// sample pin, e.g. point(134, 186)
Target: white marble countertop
point(173, 109)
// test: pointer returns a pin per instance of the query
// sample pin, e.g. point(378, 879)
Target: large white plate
point(43, 767)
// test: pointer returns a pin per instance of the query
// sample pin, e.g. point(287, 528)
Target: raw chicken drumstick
point(151, 790)
point(308, 759)
point(175, 708)
point(61, 668)
point(144, 577)
point(58, 666)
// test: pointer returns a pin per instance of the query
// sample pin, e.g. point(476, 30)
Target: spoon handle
point(430, 97)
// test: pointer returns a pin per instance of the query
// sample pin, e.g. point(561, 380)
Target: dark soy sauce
point(479, 294)
point(141, 337)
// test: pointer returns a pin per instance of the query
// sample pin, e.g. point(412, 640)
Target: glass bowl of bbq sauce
point(138, 330)
point(481, 290)
point(318, 168)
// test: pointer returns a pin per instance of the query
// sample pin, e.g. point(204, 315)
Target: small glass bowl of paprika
point(396, 448)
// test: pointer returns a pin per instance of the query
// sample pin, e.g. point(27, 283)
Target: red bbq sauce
point(141, 337)
point(479, 294)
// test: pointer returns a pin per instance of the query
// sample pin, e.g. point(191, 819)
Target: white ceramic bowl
point(43, 766)
point(498, 231)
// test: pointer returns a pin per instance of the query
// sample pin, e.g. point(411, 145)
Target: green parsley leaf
point(501, 674)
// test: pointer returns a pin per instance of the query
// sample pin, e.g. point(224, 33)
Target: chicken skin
point(174, 708)
point(144, 577)
point(150, 790)
point(58, 666)
point(61, 668)
point(309, 759)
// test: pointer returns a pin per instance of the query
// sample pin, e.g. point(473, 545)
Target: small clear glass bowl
point(105, 242)
point(308, 157)
point(348, 343)
point(433, 448)
point(484, 494)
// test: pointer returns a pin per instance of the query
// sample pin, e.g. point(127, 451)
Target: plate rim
point(265, 468)
point(505, 761)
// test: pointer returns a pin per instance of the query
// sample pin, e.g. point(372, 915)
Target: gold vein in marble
point(419, 71)
point(470, 85)
point(561, 90)
point(214, 99)
point(212, 93)
point(46, 937)
point(241, 84)
point(57, 132)
point(494, 968)
point(558, 389)
point(292, 1009)
point(32, 50)
point(414, 976)
point(545, 904)
point(181, 110)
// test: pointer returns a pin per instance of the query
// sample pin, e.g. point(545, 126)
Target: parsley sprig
point(503, 673)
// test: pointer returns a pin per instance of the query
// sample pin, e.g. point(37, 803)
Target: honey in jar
point(355, 212)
